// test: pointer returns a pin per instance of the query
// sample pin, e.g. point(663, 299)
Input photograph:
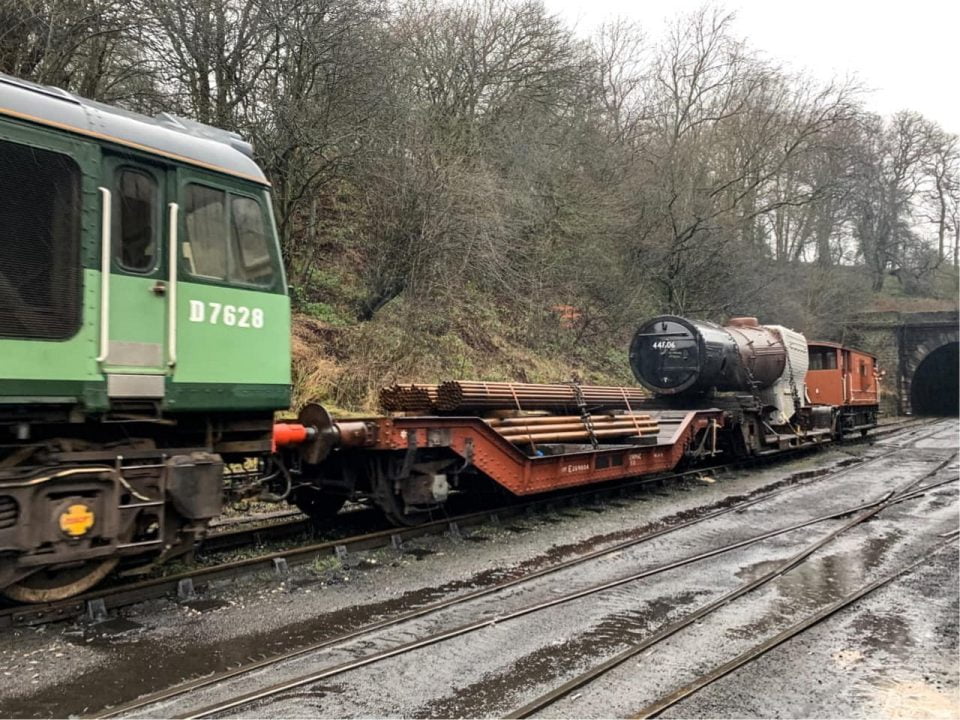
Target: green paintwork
point(222, 351)
point(137, 314)
point(219, 366)
point(188, 397)
point(73, 359)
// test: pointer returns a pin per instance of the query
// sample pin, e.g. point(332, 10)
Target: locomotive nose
point(665, 355)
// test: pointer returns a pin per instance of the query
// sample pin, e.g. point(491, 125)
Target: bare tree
point(902, 165)
point(727, 129)
point(942, 166)
point(88, 46)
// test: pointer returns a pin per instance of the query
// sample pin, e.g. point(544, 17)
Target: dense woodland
point(475, 188)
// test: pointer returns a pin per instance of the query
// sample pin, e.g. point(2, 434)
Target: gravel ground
point(74, 668)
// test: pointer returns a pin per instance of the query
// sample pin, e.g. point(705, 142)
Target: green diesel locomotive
point(144, 335)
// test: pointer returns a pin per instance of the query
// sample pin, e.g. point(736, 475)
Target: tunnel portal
point(935, 389)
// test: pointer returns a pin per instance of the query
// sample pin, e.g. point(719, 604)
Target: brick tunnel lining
point(935, 389)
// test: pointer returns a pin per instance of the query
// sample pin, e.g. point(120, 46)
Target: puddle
point(134, 667)
point(360, 564)
point(298, 583)
point(487, 697)
point(117, 626)
point(817, 582)
point(205, 605)
point(825, 579)
point(476, 538)
point(887, 633)
point(419, 553)
point(516, 529)
point(109, 633)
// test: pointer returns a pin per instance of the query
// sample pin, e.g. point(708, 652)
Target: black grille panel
point(8, 512)
point(39, 243)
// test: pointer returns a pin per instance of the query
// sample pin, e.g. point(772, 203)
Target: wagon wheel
point(54, 583)
point(395, 510)
point(382, 472)
point(318, 504)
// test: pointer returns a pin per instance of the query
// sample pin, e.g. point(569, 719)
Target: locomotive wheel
point(316, 503)
point(52, 584)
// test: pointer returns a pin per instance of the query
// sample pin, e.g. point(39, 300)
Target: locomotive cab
point(846, 379)
point(144, 333)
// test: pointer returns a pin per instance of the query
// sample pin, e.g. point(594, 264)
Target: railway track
point(184, 585)
point(245, 699)
point(906, 492)
point(667, 701)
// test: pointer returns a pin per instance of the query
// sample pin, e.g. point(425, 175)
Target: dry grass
point(343, 368)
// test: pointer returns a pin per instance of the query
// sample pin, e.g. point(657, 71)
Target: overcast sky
point(907, 52)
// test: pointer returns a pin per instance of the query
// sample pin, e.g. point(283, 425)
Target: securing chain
point(584, 413)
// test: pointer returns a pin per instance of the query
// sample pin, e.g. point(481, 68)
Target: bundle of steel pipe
point(461, 395)
point(410, 398)
point(567, 428)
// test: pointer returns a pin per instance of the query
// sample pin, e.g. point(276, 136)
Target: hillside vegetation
point(472, 189)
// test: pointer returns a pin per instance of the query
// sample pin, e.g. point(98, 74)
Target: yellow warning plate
point(76, 520)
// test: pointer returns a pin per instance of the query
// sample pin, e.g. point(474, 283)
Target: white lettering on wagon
point(575, 468)
point(215, 313)
point(638, 458)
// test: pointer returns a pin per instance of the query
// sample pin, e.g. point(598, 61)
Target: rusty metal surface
point(498, 458)
point(671, 355)
point(462, 395)
point(413, 397)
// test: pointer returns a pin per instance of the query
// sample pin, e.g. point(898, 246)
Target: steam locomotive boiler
point(673, 356)
point(757, 373)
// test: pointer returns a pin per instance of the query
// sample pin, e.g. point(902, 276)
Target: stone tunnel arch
point(935, 386)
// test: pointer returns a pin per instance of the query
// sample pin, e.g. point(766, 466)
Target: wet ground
point(893, 654)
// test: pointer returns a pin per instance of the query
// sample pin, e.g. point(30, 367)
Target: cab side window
point(205, 221)
point(226, 237)
point(823, 359)
point(135, 220)
point(252, 255)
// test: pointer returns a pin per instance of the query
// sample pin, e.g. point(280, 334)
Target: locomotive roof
point(840, 346)
point(166, 135)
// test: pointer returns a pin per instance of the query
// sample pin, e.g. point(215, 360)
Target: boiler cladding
point(670, 355)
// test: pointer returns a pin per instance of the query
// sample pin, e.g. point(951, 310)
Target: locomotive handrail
point(172, 292)
point(105, 251)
